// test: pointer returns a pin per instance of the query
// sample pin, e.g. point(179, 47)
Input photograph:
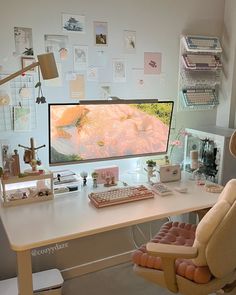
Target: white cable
point(142, 234)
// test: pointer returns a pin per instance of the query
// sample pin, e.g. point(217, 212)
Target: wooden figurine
point(30, 154)
point(15, 164)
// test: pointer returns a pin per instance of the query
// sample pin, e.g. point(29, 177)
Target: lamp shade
point(232, 144)
point(48, 66)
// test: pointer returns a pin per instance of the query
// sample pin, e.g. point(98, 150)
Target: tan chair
point(194, 260)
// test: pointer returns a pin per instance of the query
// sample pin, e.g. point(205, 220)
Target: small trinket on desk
point(84, 175)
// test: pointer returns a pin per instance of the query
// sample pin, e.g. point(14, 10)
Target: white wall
point(158, 25)
point(227, 107)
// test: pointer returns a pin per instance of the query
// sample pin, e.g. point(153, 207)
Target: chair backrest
point(216, 234)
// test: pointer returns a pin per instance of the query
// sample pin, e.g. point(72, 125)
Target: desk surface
point(71, 216)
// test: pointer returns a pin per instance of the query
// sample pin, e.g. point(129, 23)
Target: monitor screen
point(105, 130)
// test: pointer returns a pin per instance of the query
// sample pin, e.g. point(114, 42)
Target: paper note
point(77, 87)
point(152, 63)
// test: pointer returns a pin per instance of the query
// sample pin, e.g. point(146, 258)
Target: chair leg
point(229, 287)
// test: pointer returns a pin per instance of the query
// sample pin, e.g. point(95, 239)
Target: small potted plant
point(151, 163)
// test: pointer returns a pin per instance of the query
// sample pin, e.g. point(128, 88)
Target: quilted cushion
point(174, 233)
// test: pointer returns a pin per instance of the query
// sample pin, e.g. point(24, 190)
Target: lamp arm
point(14, 75)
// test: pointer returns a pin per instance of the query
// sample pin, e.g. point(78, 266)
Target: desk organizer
point(65, 181)
point(27, 189)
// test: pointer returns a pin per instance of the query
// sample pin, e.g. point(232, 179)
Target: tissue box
point(168, 173)
point(104, 172)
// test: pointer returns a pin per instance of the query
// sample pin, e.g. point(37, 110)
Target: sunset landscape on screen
point(104, 131)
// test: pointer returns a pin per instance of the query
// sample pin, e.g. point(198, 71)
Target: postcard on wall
point(141, 84)
point(73, 23)
point(56, 82)
point(119, 70)
point(152, 63)
point(101, 33)
point(138, 78)
point(27, 61)
point(21, 118)
point(101, 58)
point(70, 76)
point(77, 87)
point(5, 95)
point(80, 57)
point(23, 41)
point(58, 44)
point(92, 74)
point(129, 41)
point(105, 91)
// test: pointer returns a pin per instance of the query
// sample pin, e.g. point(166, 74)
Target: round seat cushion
point(174, 233)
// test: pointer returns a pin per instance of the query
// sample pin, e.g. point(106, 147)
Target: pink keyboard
point(120, 195)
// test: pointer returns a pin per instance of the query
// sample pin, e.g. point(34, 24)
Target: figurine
point(84, 175)
point(107, 183)
point(95, 176)
point(150, 169)
point(110, 180)
point(16, 164)
point(30, 155)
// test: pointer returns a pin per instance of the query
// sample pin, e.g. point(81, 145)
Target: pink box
point(105, 172)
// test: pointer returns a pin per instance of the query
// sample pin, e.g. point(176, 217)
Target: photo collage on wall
point(89, 65)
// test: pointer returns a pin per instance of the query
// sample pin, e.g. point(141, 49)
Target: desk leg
point(24, 275)
point(201, 213)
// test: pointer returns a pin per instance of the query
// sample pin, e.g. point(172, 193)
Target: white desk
point(72, 216)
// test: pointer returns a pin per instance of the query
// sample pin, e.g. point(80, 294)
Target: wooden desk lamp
point(47, 65)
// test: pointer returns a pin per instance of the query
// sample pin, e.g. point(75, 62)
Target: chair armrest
point(168, 254)
point(171, 251)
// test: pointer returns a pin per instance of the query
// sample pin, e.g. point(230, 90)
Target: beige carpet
point(118, 280)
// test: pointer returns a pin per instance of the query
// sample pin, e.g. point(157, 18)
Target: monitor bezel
point(100, 102)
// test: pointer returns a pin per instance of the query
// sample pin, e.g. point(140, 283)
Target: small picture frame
point(26, 61)
point(100, 33)
point(73, 23)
